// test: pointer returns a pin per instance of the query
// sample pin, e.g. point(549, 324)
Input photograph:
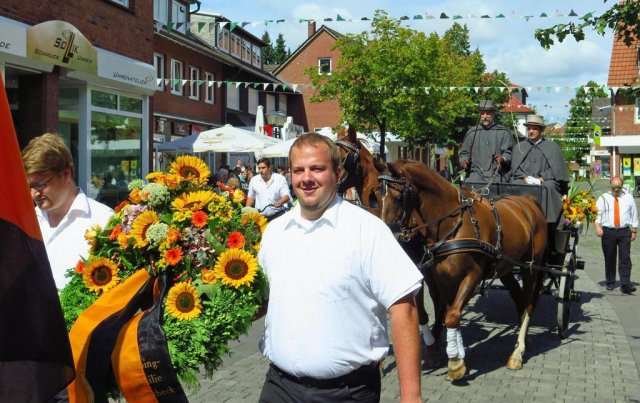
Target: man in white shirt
point(330, 287)
point(268, 191)
point(617, 225)
point(64, 212)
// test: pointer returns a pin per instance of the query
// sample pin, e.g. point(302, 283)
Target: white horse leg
point(515, 360)
point(455, 352)
point(452, 343)
point(460, 344)
point(427, 336)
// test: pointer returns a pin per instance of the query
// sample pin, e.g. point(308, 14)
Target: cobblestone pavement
point(598, 361)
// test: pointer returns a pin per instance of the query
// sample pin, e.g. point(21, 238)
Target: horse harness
point(447, 245)
point(350, 164)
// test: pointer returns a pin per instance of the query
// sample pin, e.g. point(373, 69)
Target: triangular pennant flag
point(485, 16)
point(443, 16)
point(279, 21)
point(301, 20)
point(184, 82)
point(256, 85)
point(430, 16)
point(485, 89)
point(572, 14)
point(404, 18)
point(237, 84)
point(615, 90)
point(476, 89)
point(219, 84)
point(500, 15)
point(170, 27)
point(294, 87)
point(364, 19)
point(284, 86)
point(166, 81)
point(246, 84)
point(229, 84)
point(452, 88)
point(179, 25)
point(223, 24)
point(543, 15)
point(417, 17)
point(244, 24)
point(158, 81)
point(457, 17)
point(265, 86)
point(266, 22)
point(201, 26)
point(232, 26)
point(339, 18)
point(328, 19)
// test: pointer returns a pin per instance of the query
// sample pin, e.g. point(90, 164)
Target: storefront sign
point(636, 167)
point(181, 128)
point(13, 39)
point(126, 70)
point(600, 152)
point(626, 166)
point(61, 43)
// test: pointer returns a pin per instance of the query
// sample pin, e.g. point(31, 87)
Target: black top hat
point(487, 105)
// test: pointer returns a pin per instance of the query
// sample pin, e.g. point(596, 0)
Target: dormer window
point(324, 65)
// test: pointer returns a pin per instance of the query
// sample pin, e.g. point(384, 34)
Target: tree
point(267, 51)
point(396, 78)
point(622, 18)
point(279, 51)
point(574, 141)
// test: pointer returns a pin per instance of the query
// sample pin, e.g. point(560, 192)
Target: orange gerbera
point(80, 266)
point(120, 206)
point(208, 276)
point(115, 232)
point(199, 218)
point(173, 256)
point(135, 196)
point(235, 240)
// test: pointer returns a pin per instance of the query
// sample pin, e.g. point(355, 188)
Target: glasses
point(616, 187)
point(39, 187)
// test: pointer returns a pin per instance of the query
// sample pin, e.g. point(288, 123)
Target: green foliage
point(382, 78)
point(622, 18)
point(267, 51)
point(280, 54)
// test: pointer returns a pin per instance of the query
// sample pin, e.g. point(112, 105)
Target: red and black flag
point(35, 354)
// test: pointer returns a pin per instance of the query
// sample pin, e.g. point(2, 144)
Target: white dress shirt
point(265, 193)
point(628, 210)
point(331, 283)
point(65, 243)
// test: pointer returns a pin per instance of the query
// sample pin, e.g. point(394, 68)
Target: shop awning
point(627, 144)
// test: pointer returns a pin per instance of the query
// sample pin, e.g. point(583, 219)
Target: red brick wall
point(166, 102)
point(104, 23)
point(313, 115)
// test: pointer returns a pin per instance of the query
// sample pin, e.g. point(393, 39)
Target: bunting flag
point(35, 355)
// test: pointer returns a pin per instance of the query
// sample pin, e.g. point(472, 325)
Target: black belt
point(355, 377)
point(616, 228)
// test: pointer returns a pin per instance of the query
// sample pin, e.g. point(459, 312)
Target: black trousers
point(279, 387)
point(617, 244)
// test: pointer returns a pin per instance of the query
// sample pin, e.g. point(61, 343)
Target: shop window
point(161, 11)
point(104, 100)
point(158, 63)
point(324, 65)
point(176, 77)
point(194, 83)
point(210, 88)
point(130, 104)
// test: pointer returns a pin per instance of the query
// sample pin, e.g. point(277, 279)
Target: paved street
point(599, 361)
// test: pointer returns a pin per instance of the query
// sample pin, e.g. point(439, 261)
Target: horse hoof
point(457, 369)
point(433, 358)
point(514, 363)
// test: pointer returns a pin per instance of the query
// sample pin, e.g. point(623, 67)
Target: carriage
point(461, 237)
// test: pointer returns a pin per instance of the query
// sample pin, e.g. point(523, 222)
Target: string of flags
point(200, 25)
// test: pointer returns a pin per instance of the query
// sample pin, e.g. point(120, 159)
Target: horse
point(360, 170)
point(468, 239)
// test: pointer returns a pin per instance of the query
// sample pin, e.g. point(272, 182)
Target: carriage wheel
point(565, 292)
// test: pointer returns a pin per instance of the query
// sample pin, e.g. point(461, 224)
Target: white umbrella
point(229, 139)
point(260, 120)
point(184, 144)
point(282, 149)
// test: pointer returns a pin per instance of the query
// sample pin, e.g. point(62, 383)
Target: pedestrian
point(617, 225)
point(538, 161)
point(330, 291)
point(486, 146)
point(268, 191)
point(63, 210)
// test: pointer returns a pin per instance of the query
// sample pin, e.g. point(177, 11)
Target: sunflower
point(100, 275)
point(256, 218)
point(235, 240)
point(236, 267)
point(189, 167)
point(140, 227)
point(173, 256)
point(183, 301)
point(193, 201)
point(199, 218)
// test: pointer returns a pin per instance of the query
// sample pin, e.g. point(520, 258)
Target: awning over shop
point(627, 144)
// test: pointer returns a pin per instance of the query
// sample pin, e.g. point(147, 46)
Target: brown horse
point(468, 239)
point(360, 170)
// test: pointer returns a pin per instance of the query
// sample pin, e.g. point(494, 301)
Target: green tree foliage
point(267, 51)
point(397, 79)
point(622, 18)
point(279, 50)
point(574, 141)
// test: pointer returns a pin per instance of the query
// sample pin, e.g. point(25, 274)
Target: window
point(252, 101)
point(194, 84)
point(324, 65)
point(246, 51)
point(223, 40)
point(161, 11)
point(271, 103)
point(158, 63)
point(236, 45)
point(282, 103)
point(179, 16)
point(210, 88)
point(124, 3)
point(256, 56)
point(176, 77)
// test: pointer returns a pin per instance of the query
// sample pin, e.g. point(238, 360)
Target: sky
point(508, 44)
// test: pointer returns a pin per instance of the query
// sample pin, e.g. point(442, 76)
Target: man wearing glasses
point(617, 225)
point(63, 210)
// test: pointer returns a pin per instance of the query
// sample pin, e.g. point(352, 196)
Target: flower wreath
point(199, 240)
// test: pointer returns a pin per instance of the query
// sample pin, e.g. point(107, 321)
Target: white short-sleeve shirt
point(65, 243)
point(331, 283)
point(265, 193)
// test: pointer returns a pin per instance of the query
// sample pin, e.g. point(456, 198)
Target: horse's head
point(400, 196)
point(350, 149)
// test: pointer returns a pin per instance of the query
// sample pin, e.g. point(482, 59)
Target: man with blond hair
point(63, 210)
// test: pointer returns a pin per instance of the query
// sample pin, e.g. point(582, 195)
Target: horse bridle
point(350, 164)
point(408, 200)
